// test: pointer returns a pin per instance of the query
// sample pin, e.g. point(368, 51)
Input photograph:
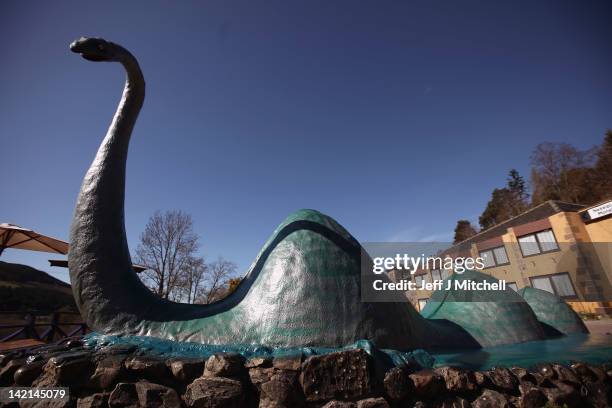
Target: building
point(563, 248)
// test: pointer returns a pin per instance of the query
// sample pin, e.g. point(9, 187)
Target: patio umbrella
point(13, 236)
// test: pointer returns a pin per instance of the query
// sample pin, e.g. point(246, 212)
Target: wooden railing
point(33, 327)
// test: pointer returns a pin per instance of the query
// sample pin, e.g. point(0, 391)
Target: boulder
point(258, 362)
point(124, 395)
point(452, 402)
point(186, 370)
point(342, 375)
point(288, 363)
point(532, 397)
point(339, 404)
point(8, 371)
point(373, 403)
point(427, 384)
point(27, 373)
point(148, 368)
point(458, 380)
point(225, 365)
point(397, 384)
point(109, 371)
point(281, 390)
point(156, 395)
point(99, 400)
point(214, 392)
point(503, 380)
point(563, 393)
point(491, 399)
point(67, 372)
point(566, 375)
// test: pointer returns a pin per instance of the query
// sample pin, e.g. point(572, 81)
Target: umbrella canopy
point(13, 236)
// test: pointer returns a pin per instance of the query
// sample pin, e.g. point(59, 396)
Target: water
point(588, 348)
point(594, 349)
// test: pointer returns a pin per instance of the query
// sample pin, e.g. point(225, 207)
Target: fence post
point(30, 330)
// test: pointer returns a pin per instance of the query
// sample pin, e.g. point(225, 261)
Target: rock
point(282, 389)
point(491, 399)
point(339, 404)
point(563, 393)
point(117, 349)
point(124, 395)
point(457, 379)
point(452, 402)
point(566, 375)
point(342, 375)
point(288, 363)
point(597, 393)
point(215, 392)
point(483, 380)
point(108, 372)
point(99, 400)
point(259, 362)
point(584, 372)
point(156, 395)
point(8, 371)
point(427, 384)
point(373, 403)
point(67, 372)
point(532, 398)
point(503, 380)
point(397, 384)
point(546, 371)
point(225, 365)
point(74, 343)
point(148, 368)
point(523, 375)
point(27, 373)
point(260, 375)
point(186, 370)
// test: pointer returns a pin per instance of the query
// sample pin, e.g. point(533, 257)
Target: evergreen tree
point(463, 231)
point(602, 173)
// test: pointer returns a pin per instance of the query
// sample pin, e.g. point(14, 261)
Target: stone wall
point(122, 376)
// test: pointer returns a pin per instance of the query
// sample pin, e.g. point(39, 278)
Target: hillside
point(24, 288)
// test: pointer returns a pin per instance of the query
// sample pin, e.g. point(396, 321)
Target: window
point(494, 257)
point(444, 273)
point(422, 304)
point(547, 241)
point(418, 279)
point(540, 242)
point(559, 284)
point(435, 274)
point(512, 285)
point(501, 257)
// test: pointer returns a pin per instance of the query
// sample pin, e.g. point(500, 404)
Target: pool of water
point(588, 348)
point(593, 348)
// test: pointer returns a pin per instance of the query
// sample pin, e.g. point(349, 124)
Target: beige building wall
point(585, 253)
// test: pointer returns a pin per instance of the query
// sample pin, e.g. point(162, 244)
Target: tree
point(560, 171)
point(517, 193)
point(167, 244)
point(497, 210)
point(602, 173)
point(192, 277)
point(216, 281)
point(463, 231)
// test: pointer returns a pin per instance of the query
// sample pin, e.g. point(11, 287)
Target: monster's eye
point(101, 47)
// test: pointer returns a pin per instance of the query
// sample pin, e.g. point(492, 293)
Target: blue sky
point(395, 118)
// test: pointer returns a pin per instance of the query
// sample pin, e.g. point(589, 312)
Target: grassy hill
point(23, 288)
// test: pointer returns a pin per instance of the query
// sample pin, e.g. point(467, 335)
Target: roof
point(544, 210)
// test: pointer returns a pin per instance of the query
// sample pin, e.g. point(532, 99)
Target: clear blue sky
point(396, 118)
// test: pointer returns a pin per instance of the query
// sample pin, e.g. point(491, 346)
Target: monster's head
point(96, 49)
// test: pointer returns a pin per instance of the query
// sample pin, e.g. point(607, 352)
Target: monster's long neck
point(99, 258)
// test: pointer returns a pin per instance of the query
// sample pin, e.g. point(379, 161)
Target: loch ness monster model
point(303, 289)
